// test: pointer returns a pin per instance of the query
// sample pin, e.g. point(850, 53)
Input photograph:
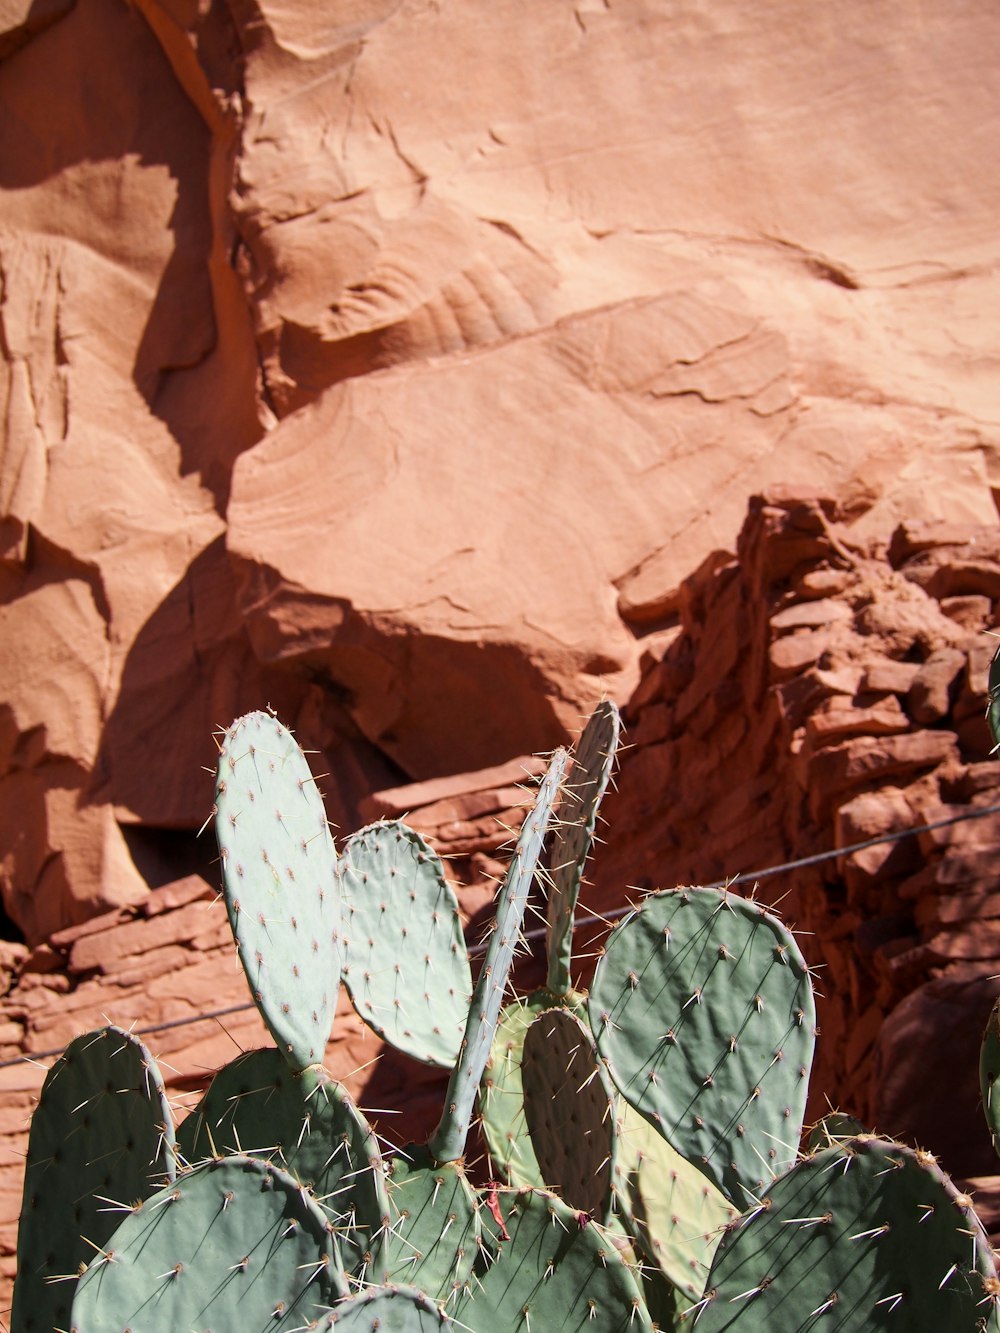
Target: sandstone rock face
point(397, 368)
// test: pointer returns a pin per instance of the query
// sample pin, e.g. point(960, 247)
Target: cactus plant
point(234, 1245)
point(279, 882)
point(101, 1137)
point(703, 1008)
point(406, 968)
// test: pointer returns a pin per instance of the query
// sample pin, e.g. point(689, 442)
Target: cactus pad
point(406, 968)
point(501, 1095)
point(447, 1143)
point(308, 1123)
point(863, 1236)
point(593, 760)
point(989, 1074)
point(234, 1245)
point(703, 1008)
point(434, 1237)
point(993, 700)
point(388, 1310)
point(569, 1109)
point(101, 1138)
point(281, 890)
point(675, 1213)
point(554, 1270)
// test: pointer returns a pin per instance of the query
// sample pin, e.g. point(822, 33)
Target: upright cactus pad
point(406, 968)
point(388, 1310)
point(281, 889)
point(447, 1143)
point(309, 1125)
point(554, 1270)
point(101, 1138)
point(593, 760)
point(866, 1235)
point(434, 1237)
point(703, 1008)
point(235, 1246)
point(569, 1109)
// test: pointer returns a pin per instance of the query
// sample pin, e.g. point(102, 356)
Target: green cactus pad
point(308, 1123)
point(703, 1008)
point(406, 968)
point(583, 791)
point(101, 1139)
point(280, 885)
point(676, 1215)
point(447, 1143)
point(569, 1108)
point(555, 1270)
point(993, 700)
point(863, 1236)
point(389, 1310)
point(989, 1074)
point(501, 1095)
point(434, 1236)
point(236, 1246)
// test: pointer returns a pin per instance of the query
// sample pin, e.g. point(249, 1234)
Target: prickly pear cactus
point(703, 1008)
point(308, 1124)
point(447, 1143)
point(235, 1246)
point(547, 1267)
point(406, 968)
point(101, 1137)
point(569, 1108)
point(593, 760)
point(863, 1236)
point(279, 881)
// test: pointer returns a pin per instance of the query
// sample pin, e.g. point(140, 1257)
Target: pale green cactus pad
point(406, 968)
point(279, 882)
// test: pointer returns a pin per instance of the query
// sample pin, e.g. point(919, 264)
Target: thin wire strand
point(477, 950)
